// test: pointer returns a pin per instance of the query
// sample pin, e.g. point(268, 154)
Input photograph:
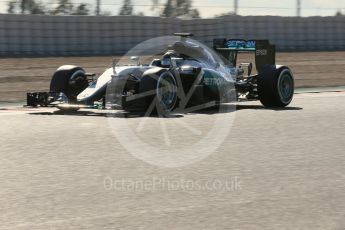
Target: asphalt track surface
point(276, 169)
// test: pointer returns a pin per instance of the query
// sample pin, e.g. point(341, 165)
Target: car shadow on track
point(117, 114)
point(223, 109)
point(76, 113)
point(260, 107)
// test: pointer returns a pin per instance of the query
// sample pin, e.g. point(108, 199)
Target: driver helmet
point(166, 58)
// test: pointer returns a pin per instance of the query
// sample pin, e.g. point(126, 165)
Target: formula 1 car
point(186, 74)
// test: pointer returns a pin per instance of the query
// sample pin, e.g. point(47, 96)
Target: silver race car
point(184, 73)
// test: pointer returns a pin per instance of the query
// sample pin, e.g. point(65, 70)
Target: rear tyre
point(275, 86)
point(70, 80)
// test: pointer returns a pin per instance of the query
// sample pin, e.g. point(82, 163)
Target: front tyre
point(166, 92)
point(275, 86)
point(69, 80)
point(160, 92)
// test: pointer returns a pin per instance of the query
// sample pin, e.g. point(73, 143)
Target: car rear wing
point(265, 53)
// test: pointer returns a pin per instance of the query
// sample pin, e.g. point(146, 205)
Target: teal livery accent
point(213, 80)
point(241, 45)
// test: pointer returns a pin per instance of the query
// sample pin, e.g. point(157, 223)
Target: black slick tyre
point(275, 86)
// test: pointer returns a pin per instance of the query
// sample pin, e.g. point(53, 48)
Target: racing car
point(186, 73)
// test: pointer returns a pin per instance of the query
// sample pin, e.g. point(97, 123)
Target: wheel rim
point(166, 91)
point(286, 86)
